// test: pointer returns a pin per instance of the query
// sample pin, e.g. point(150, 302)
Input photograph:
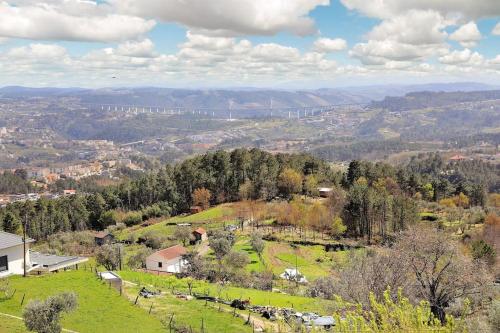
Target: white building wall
point(15, 259)
point(170, 266)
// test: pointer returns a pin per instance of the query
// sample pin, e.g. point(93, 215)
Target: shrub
point(484, 251)
point(44, 316)
point(132, 218)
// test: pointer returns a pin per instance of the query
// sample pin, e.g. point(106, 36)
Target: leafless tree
point(442, 273)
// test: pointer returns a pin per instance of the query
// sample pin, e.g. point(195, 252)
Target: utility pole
point(25, 222)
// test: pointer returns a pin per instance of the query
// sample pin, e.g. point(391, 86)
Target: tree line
point(372, 199)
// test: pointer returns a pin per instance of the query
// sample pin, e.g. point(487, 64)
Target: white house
point(11, 254)
point(168, 260)
point(292, 274)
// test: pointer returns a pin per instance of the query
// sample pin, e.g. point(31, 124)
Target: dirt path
point(203, 248)
point(19, 318)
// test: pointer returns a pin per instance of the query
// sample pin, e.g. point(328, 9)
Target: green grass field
point(256, 297)
point(211, 218)
point(190, 313)
point(11, 325)
point(100, 309)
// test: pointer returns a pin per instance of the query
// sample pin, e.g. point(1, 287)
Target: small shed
point(292, 274)
point(195, 209)
point(45, 263)
point(103, 237)
point(112, 279)
point(200, 235)
point(325, 192)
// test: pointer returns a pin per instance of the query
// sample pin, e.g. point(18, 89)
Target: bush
point(138, 260)
point(494, 315)
point(43, 317)
point(133, 218)
point(484, 251)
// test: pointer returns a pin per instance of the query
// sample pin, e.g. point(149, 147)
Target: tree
point(138, 260)
point(337, 227)
point(257, 243)
point(196, 266)
point(11, 223)
point(289, 182)
point(109, 256)
point(221, 242)
point(483, 251)
point(311, 185)
point(201, 197)
point(182, 234)
point(44, 316)
point(442, 273)
point(108, 218)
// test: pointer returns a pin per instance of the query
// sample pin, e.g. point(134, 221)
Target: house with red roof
point(169, 260)
point(458, 157)
point(103, 237)
point(200, 235)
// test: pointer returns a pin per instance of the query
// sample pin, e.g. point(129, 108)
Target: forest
point(373, 198)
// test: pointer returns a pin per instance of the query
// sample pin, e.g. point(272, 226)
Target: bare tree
point(441, 272)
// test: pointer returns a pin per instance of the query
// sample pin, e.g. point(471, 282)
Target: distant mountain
point(379, 92)
point(165, 97)
point(16, 91)
point(425, 99)
point(237, 98)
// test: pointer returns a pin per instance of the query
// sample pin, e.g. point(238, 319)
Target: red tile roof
point(172, 252)
point(200, 231)
point(101, 234)
point(457, 158)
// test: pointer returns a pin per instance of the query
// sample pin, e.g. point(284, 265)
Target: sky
point(248, 43)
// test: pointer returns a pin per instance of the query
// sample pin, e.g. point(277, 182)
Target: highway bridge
point(227, 113)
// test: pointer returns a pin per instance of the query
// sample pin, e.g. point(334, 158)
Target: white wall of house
point(175, 265)
point(15, 259)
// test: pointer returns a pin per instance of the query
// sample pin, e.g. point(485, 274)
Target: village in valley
point(211, 245)
point(249, 166)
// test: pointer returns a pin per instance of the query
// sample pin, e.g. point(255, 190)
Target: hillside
point(426, 99)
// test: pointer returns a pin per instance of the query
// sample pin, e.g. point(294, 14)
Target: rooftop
point(200, 231)
point(50, 260)
point(9, 240)
point(172, 252)
point(101, 234)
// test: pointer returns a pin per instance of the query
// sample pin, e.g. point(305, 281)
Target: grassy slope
point(257, 297)
point(209, 218)
point(190, 313)
point(11, 325)
point(100, 309)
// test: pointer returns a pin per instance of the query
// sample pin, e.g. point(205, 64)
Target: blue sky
point(261, 43)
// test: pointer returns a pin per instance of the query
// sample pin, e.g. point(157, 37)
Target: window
point(4, 264)
point(160, 264)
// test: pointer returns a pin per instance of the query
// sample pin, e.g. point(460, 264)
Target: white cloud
point(378, 52)
point(416, 27)
point(38, 52)
point(496, 29)
point(410, 37)
point(465, 58)
point(467, 35)
point(68, 20)
point(496, 60)
point(142, 49)
point(228, 17)
point(326, 45)
point(463, 9)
